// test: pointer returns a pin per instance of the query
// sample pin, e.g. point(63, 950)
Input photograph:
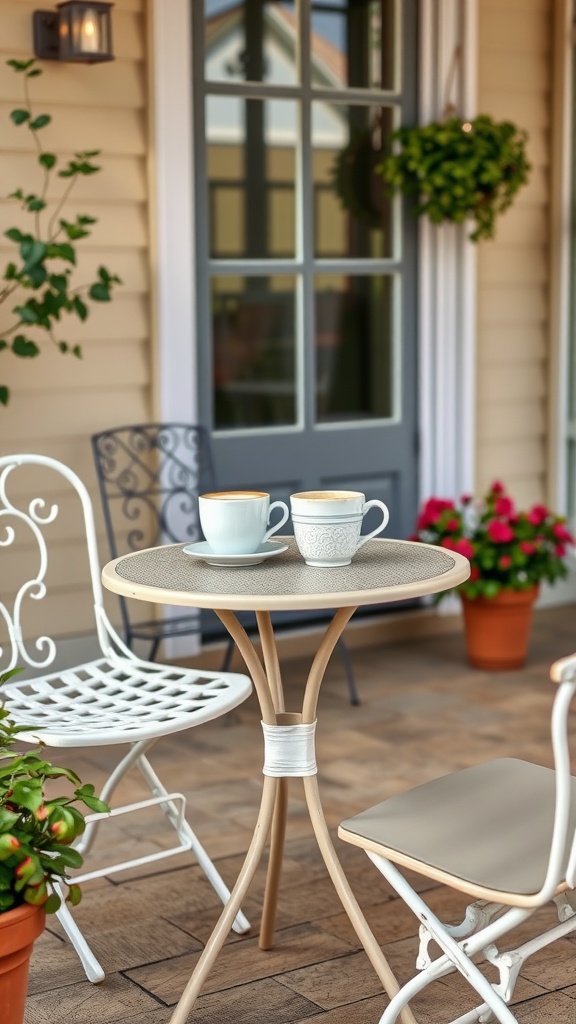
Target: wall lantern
point(75, 31)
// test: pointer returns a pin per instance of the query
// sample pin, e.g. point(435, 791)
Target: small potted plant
point(36, 833)
point(510, 553)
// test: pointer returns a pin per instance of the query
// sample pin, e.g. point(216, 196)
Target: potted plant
point(458, 169)
point(510, 553)
point(36, 833)
point(37, 280)
point(453, 169)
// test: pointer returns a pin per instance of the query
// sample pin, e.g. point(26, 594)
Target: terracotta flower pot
point(498, 628)
point(19, 928)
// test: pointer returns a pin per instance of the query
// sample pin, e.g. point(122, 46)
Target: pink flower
point(432, 511)
point(505, 562)
point(497, 487)
point(452, 525)
point(464, 547)
point(499, 532)
point(562, 534)
point(504, 507)
point(526, 547)
point(474, 573)
point(560, 550)
point(448, 543)
point(465, 499)
point(537, 514)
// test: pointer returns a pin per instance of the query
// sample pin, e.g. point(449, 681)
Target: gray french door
point(306, 279)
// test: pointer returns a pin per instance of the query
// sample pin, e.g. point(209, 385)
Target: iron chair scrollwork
point(150, 476)
point(115, 698)
point(502, 832)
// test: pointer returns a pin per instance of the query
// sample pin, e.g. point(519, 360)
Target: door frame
point(447, 280)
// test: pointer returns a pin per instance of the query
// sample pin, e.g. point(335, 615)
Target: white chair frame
point(116, 698)
point(494, 913)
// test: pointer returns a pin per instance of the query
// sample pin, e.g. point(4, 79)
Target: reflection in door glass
point(353, 44)
point(251, 169)
point(253, 348)
point(353, 217)
point(354, 347)
point(250, 40)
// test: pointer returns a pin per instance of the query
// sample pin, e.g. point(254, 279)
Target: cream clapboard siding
point(57, 402)
point(515, 77)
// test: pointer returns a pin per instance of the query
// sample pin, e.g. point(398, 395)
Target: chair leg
point(92, 968)
point(454, 958)
point(241, 924)
point(347, 662)
point(154, 648)
point(228, 655)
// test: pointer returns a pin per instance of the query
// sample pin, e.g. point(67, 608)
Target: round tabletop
point(381, 571)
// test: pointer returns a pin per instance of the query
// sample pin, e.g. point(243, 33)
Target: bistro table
point(382, 571)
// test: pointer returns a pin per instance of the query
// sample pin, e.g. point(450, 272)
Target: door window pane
point(253, 324)
point(354, 347)
point(254, 40)
point(352, 44)
point(251, 169)
point(352, 215)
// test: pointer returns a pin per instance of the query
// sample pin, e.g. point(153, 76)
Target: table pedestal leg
point(268, 921)
point(220, 933)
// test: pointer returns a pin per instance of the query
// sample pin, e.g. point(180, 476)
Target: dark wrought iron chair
point(150, 476)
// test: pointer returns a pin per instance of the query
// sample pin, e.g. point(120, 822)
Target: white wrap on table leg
point(289, 750)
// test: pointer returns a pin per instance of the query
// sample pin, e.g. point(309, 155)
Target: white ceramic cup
point(236, 522)
point(327, 525)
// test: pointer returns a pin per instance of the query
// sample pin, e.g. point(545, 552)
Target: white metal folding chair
point(502, 832)
point(116, 698)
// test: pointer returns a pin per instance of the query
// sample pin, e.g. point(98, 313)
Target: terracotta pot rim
point(20, 913)
point(505, 597)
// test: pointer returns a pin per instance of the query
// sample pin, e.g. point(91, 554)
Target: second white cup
point(327, 525)
point(236, 522)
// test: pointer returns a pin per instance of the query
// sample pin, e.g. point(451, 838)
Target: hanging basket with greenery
point(457, 169)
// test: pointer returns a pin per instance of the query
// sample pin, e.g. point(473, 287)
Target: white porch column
point(447, 267)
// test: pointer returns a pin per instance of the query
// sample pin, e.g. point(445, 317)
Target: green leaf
point(19, 116)
point(21, 65)
point(28, 794)
point(47, 160)
point(34, 73)
point(77, 351)
point(34, 203)
point(40, 122)
point(22, 346)
point(63, 346)
point(99, 292)
point(53, 903)
point(32, 252)
point(80, 307)
point(62, 251)
point(15, 235)
point(74, 895)
point(4, 395)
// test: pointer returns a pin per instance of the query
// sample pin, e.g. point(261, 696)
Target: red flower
point(464, 547)
point(562, 534)
point(448, 543)
point(560, 550)
point(497, 487)
point(452, 525)
point(504, 507)
point(474, 573)
point(526, 547)
point(537, 514)
point(499, 532)
point(465, 499)
point(505, 562)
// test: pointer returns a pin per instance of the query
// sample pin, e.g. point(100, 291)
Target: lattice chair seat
point(116, 698)
point(501, 832)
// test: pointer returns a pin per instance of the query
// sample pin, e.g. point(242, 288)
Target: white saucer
point(202, 551)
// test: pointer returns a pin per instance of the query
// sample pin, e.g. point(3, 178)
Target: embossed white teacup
point(236, 522)
point(327, 525)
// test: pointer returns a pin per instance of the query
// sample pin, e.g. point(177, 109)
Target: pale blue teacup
point(237, 522)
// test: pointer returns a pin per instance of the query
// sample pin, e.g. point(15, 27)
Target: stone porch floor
point(423, 713)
